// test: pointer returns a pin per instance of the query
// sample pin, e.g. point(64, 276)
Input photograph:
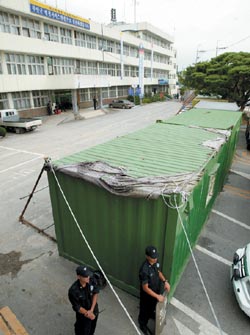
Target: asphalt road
point(34, 280)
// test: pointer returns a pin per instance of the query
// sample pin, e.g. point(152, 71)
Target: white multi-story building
point(47, 54)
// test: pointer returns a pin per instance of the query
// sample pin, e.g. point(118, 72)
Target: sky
point(201, 28)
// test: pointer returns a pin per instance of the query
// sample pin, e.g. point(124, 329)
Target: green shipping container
point(123, 193)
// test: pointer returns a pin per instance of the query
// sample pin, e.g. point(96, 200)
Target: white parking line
point(22, 151)
point(213, 255)
point(242, 174)
point(205, 327)
point(243, 225)
point(23, 163)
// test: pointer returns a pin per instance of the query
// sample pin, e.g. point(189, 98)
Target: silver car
point(240, 276)
point(121, 104)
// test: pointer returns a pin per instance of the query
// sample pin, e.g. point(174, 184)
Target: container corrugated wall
point(117, 227)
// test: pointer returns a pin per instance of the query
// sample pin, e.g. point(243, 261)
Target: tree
point(227, 75)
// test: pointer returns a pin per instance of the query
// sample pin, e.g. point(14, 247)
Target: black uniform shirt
point(149, 274)
point(82, 296)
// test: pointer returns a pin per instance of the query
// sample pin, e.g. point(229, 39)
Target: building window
point(31, 28)
point(147, 72)
point(83, 67)
point(112, 92)
point(92, 68)
point(51, 33)
point(118, 70)
point(9, 23)
point(134, 52)
point(50, 65)
point(118, 48)
point(63, 66)
point(67, 66)
point(92, 93)
point(111, 70)
point(103, 69)
point(84, 96)
point(15, 64)
point(21, 100)
point(134, 71)
point(56, 66)
point(4, 103)
point(105, 92)
point(127, 71)
point(106, 45)
point(36, 65)
point(66, 37)
point(40, 98)
point(110, 46)
point(91, 42)
point(122, 91)
point(125, 49)
point(80, 39)
point(102, 44)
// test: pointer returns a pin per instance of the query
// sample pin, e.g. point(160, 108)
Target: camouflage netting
point(117, 181)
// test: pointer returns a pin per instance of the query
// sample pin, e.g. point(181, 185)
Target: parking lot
point(34, 279)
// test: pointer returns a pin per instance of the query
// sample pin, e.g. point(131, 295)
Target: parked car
point(10, 119)
point(121, 104)
point(240, 276)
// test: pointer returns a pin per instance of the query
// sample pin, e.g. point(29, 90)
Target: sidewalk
point(68, 116)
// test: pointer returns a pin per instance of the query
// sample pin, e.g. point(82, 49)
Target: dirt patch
point(11, 263)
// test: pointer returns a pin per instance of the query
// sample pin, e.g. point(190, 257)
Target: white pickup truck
point(10, 120)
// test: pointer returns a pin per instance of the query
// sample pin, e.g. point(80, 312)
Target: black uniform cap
point(83, 271)
point(152, 252)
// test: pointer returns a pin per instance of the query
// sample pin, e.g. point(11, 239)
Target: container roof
point(161, 159)
point(206, 118)
point(158, 150)
point(208, 104)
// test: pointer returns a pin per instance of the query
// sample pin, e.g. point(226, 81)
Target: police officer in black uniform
point(152, 281)
point(83, 297)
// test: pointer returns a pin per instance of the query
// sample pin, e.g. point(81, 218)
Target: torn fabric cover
point(117, 181)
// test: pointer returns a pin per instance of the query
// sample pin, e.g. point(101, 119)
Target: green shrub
point(2, 132)
point(136, 100)
point(148, 95)
point(146, 100)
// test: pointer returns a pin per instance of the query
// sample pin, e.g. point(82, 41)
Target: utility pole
point(135, 4)
point(134, 11)
point(141, 71)
point(217, 48)
point(197, 54)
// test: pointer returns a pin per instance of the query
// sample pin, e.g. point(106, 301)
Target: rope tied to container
point(177, 206)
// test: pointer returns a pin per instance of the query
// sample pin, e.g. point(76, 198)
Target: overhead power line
point(243, 39)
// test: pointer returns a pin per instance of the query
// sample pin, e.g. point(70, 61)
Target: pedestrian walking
point(83, 296)
point(49, 108)
point(95, 102)
point(152, 285)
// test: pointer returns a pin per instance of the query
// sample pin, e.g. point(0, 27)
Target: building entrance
point(63, 99)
